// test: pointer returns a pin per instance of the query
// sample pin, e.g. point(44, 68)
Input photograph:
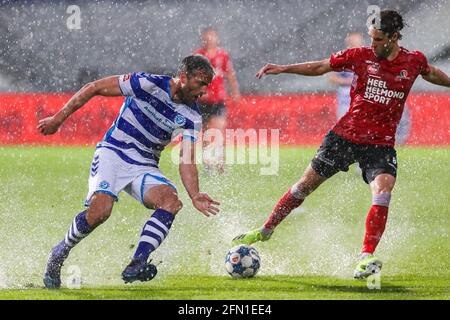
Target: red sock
point(284, 206)
point(375, 224)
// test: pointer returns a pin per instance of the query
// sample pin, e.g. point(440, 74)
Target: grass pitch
point(311, 255)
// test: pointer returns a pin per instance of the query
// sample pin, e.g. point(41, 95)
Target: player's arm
point(312, 68)
point(189, 176)
point(437, 76)
point(104, 87)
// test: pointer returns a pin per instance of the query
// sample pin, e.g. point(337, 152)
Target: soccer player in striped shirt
point(156, 109)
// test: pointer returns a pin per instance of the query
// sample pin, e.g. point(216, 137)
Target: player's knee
point(99, 211)
point(383, 183)
point(381, 199)
point(172, 205)
point(97, 215)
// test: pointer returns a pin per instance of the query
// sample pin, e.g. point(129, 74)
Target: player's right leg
point(291, 200)
point(105, 183)
point(335, 154)
point(82, 225)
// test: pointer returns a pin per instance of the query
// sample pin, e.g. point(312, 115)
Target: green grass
point(260, 288)
point(311, 255)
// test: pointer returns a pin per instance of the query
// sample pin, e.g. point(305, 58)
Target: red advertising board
point(302, 119)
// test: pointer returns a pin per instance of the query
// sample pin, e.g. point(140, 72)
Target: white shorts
point(110, 174)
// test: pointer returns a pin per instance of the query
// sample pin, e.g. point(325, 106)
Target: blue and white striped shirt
point(149, 120)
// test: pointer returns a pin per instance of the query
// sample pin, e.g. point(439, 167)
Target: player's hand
point(203, 203)
point(48, 125)
point(269, 69)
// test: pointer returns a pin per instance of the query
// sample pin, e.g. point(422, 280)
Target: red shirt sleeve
point(344, 59)
point(424, 67)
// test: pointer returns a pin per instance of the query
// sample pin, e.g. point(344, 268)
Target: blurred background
point(39, 53)
point(48, 50)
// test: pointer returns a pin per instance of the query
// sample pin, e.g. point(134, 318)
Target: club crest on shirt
point(180, 120)
point(403, 74)
point(373, 68)
point(104, 185)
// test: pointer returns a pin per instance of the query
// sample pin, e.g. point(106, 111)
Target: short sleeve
point(125, 84)
point(192, 130)
point(344, 59)
point(139, 84)
point(424, 67)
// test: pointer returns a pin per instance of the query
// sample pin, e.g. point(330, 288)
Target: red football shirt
point(378, 92)
point(220, 61)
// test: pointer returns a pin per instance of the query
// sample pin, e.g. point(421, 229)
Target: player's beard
point(385, 51)
point(186, 97)
point(380, 55)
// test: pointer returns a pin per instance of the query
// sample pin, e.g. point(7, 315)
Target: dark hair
point(390, 22)
point(196, 63)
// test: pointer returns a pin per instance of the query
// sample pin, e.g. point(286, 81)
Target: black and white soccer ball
point(242, 261)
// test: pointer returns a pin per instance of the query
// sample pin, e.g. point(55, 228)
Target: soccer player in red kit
point(384, 75)
point(212, 104)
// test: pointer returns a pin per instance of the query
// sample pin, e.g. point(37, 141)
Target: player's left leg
point(335, 154)
point(291, 200)
point(82, 225)
point(381, 189)
point(105, 183)
point(375, 224)
point(157, 193)
point(381, 177)
point(167, 204)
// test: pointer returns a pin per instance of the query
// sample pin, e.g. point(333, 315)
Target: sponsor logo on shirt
point(377, 91)
point(373, 68)
point(155, 116)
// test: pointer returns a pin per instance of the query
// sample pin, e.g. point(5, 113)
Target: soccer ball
point(242, 261)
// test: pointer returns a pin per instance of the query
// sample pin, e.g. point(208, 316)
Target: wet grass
point(311, 255)
point(260, 288)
